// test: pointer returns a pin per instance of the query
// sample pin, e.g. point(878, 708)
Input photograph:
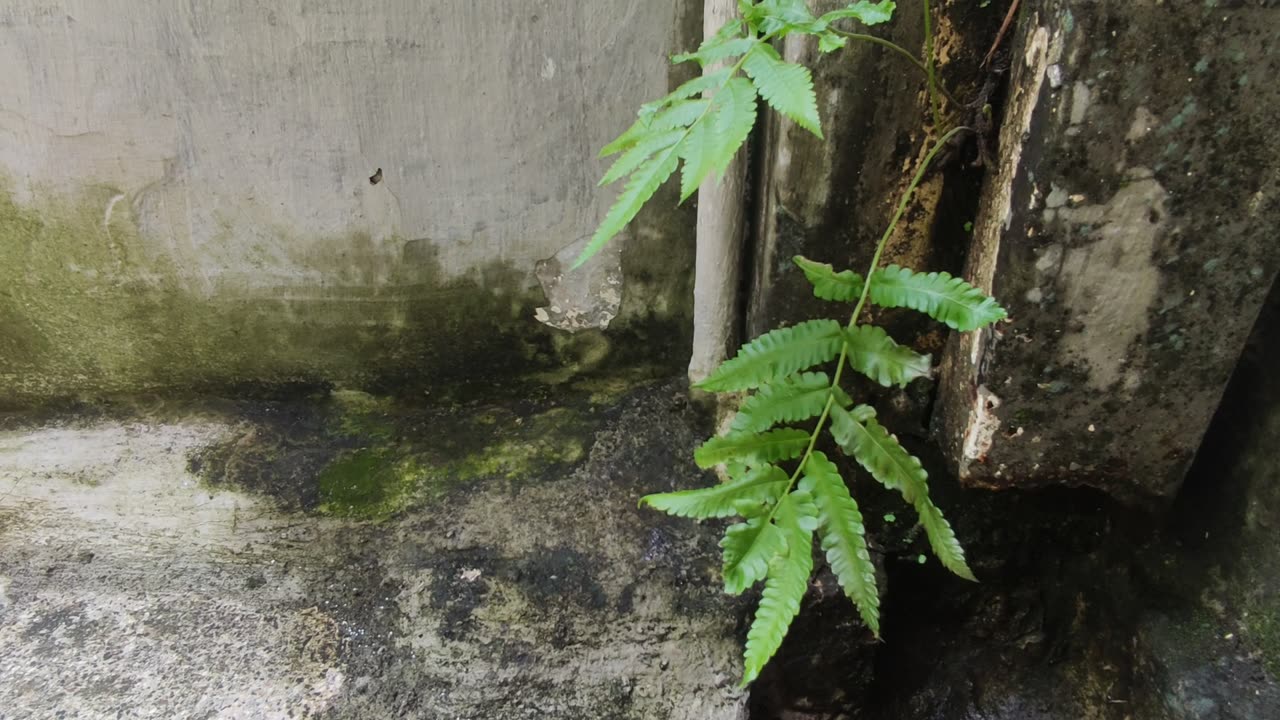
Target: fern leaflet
point(843, 537)
point(787, 87)
point(713, 142)
point(748, 548)
point(868, 13)
point(788, 579)
point(843, 286)
point(892, 466)
point(752, 449)
point(764, 484)
point(947, 299)
point(777, 354)
point(874, 354)
point(798, 397)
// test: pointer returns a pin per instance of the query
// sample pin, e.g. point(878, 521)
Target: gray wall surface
point(185, 189)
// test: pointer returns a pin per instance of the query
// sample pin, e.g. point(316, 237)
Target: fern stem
point(897, 217)
point(862, 301)
point(934, 104)
point(905, 53)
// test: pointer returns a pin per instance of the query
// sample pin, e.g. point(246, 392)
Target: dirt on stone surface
point(341, 555)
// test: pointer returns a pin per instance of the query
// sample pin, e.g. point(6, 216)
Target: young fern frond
point(880, 453)
point(764, 484)
point(874, 354)
point(843, 536)
point(776, 354)
point(748, 548)
point(712, 129)
point(787, 87)
point(947, 299)
point(788, 580)
point(795, 398)
point(843, 286)
point(752, 449)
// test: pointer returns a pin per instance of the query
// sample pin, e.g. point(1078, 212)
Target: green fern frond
point(864, 11)
point(874, 354)
point(764, 484)
point(640, 152)
point(794, 398)
point(717, 48)
point(751, 448)
point(843, 286)
point(786, 584)
point(778, 18)
point(891, 465)
point(716, 139)
point(942, 538)
point(644, 182)
point(844, 537)
point(947, 299)
point(787, 87)
point(748, 547)
point(777, 354)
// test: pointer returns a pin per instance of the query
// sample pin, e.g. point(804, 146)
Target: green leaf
point(709, 80)
point(788, 400)
point(714, 140)
point(787, 87)
point(747, 549)
point(641, 151)
point(712, 51)
point(763, 484)
point(778, 18)
point(752, 449)
point(843, 536)
point(830, 42)
point(843, 286)
point(786, 584)
point(874, 354)
point(868, 13)
point(947, 299)
point(674, 116)
point(892, 466)
point(777, 354)
point(644, 182)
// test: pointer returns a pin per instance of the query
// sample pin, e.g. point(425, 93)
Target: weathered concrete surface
point(187, 195)
point(1129, 229)
point(345, 556)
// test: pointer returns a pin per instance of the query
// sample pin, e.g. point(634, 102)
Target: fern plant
point(784, 490)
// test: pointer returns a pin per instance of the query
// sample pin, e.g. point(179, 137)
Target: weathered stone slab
point(347, 557)
point(1130, 230)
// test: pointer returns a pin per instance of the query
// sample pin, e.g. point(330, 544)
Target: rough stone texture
point(187, 195)
point(222, 560)
point(1129, 230)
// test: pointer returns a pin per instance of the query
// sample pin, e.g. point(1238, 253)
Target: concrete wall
point(185, 191)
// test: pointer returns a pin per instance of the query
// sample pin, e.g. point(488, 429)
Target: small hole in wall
point(376, 177)
point(1153, 217)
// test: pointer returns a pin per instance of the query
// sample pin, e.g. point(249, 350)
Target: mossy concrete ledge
point(292, 195)
point(348, 557)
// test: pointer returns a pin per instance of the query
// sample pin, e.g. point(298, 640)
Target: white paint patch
point(548, 68)
point(1111, 285)
point(982, 428)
